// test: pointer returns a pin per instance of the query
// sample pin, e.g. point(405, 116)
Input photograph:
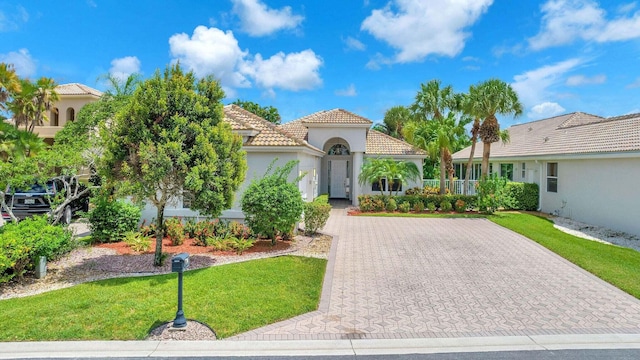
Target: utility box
point(180, 262)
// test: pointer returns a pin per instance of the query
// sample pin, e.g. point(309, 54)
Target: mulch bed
point(189, 246)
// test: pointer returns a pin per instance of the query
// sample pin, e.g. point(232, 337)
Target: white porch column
point(357, 166)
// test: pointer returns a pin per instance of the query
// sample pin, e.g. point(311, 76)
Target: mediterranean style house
point(330, 147)
point(587, 166)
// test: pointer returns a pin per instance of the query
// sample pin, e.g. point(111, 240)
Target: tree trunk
point(474, 140)
point(443, 171)
point(486, 151)
point(157, 260)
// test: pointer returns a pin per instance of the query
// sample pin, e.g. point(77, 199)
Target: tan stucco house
point(587, 166)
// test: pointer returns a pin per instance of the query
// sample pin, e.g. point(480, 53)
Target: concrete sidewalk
point(75, 349)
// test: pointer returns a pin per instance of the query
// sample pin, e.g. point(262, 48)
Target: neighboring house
point(331, 147)
point(587, 166)
point(71, 98)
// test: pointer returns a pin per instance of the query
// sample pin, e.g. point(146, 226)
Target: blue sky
point(361, 55)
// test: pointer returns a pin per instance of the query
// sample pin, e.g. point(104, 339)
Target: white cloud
point(418, 28)
point(349, 91)
point(210, 51)
point(13, 20)
point(354, 44)
point(293, 71)
point(533, 86)
point(634, 84)
point(565, 21)
point(545, 110)
point(257, 19)
point(22, 62)
point(121, 68)
point(578, 80)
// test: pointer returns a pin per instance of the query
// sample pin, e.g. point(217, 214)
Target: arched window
point(71, 114)
point(338, 149)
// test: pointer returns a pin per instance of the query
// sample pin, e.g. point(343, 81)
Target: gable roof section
point(77, 89)
point(335, 116)
point(268, 134)
point(382, 144)
point(570, 134)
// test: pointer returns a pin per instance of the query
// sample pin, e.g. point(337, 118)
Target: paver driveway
point(409, 277)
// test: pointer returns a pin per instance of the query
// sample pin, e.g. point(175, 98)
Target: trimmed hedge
point(110, 220)
point(316, 214)
point(380, 202)
point(521, 196)
point(22, 243)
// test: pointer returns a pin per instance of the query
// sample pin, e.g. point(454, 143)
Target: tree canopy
point(170, 138)
point(268, 113)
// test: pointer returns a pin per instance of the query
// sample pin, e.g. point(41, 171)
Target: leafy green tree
point(436, 127)
point(9, 84)
point(496, 97)
point(375, 170)
point(268, 113)
point(394, 120)
point(171, 138)
point(272, 204)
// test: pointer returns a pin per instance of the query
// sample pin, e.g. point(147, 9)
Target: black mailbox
point(180, 262)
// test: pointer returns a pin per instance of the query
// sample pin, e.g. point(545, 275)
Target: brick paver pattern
point(412, 277)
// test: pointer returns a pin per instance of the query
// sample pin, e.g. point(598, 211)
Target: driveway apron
point(425, 278)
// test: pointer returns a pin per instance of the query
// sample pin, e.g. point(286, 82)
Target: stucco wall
point(602, 192)
point(355, 137)
point(257, 164)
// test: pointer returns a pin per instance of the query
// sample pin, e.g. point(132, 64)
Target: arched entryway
point(338, 163)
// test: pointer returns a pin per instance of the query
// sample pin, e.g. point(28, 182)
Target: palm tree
point(394, 120)
point(31, 104)
point(375, 170)
point(470, 105)
point(121, 87)
point(497, 97)
point(44, 96)
point(18, 144)
point(9, 83)
point(431, 103)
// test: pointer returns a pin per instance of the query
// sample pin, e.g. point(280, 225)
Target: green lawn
point(231, 299)
point(617, 265)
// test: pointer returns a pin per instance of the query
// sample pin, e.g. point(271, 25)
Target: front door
point(338, 178)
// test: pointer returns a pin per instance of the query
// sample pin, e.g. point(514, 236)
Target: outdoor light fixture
point(179, 264)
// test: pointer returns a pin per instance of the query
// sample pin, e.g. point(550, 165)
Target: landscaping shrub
point(109, 220)
point(272, 204)
point(22, 243)
point(175, 231)
point(316, 214)
point(391, 205)
point(431, 207)
point(445, 205)
point(530, 197)
point(240, 244)
point(404, 207)
point(460, 206)
point(137, 241)
point(190, 228)
point(378, 204)
point(239, 230)
point(491, 193)
point(418, 207)
point(365, 203)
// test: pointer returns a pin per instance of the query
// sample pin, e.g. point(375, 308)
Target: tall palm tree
point(44, 96)
point(394, 120)
point(497, 97)
point(9, 83)
point(31, 104)
point(431, 104)
point(470, 105)
point(121, 87)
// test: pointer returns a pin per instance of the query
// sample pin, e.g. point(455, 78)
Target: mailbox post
point(179, 264)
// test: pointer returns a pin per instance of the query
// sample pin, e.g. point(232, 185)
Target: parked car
point(36, 199)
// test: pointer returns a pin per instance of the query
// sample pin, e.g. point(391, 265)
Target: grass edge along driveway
point(614, 264)
point(231, 299)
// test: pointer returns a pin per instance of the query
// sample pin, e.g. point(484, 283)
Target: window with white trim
point(552, 177)
point(524, 170)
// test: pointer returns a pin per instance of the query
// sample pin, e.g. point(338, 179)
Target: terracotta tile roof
point(77, 89)
point(575, 133)
point(377, 142)
point(335, 116)
point(382, 144)
point(268, 134)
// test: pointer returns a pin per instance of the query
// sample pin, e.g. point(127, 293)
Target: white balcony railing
point(458, 185)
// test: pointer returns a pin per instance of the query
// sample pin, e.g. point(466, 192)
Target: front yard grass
point(231, 299)
point(617, 265)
